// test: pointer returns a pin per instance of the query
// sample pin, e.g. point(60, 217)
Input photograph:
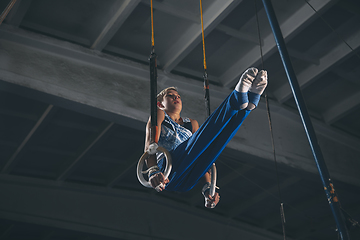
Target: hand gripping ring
point(142, 161)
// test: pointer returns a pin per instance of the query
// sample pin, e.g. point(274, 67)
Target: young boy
point(194, 149)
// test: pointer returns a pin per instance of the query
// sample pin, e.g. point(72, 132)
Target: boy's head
point(162, 94)
point(169, 100)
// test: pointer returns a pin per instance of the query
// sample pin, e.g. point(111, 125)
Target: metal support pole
point(319, 159)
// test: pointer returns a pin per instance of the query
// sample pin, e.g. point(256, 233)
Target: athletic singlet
point(172, 135)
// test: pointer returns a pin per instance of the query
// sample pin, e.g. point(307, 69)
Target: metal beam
point(342, 109)
point(48, 235)
point(128, 54)
point(62, 176)
point(7, 232)
point(290, 26)
point(224, 180)
point(18, 12)
point(57, 33)
point(106, 89)
point(7, 167)
point(12, 113)
point(119, 173)
point(123, 11)
point(333, 56)
point(294, 211)
point(191, 38)
point(173, 11)
point(7, 10)
point(239, 35)
point(304, 57)
point(100, 210)
point(242, 206)
point(197, 74)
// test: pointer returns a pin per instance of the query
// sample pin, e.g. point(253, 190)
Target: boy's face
point(172, 101)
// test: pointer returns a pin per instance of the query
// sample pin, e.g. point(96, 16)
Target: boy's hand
point(158, 181)
point(211, 202)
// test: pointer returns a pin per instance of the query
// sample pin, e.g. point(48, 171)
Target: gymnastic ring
point(142, 161)
point(213, 180)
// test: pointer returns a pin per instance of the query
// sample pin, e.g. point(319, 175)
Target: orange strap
point(202, 27)
point(152, 24)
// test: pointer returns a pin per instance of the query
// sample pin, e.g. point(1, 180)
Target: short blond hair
point(163, 92)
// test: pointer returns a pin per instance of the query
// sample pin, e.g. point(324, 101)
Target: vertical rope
point(203, 38)
point(282, 213)
point(206, 80)
point(152, 26)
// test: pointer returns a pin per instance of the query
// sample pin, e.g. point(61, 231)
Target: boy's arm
point(151, 161)
point(210, 202)
point(158, 178)
point(195, 125)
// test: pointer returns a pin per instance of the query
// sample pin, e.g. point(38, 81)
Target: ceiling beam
point(62, 175)
point(346, 106)
point(48, 235)
point(12, 113)
point(350, 6)
point(74, 125)
point(294, 211)
point(56, 33)
point(303, 57)
point(238, 208)
point(7, 10)
point(192, 37)
point(342, 109)
point(10, 162)
point(303, 16)
point(5, 234)
point(100, 210)
point(351, 76)
point(236, 173)
point(239, 34)
point(17, 13)
point(223, 181)
point(197, 74)
point(119, 16)
point(128, 54)
point(173, 11)
point(333, 56)
point(11, 144)
point(115, 75)
point(52, 151)
point(124, 168)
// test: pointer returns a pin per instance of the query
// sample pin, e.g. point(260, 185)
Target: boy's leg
point(192, 162)
point(194, 157)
